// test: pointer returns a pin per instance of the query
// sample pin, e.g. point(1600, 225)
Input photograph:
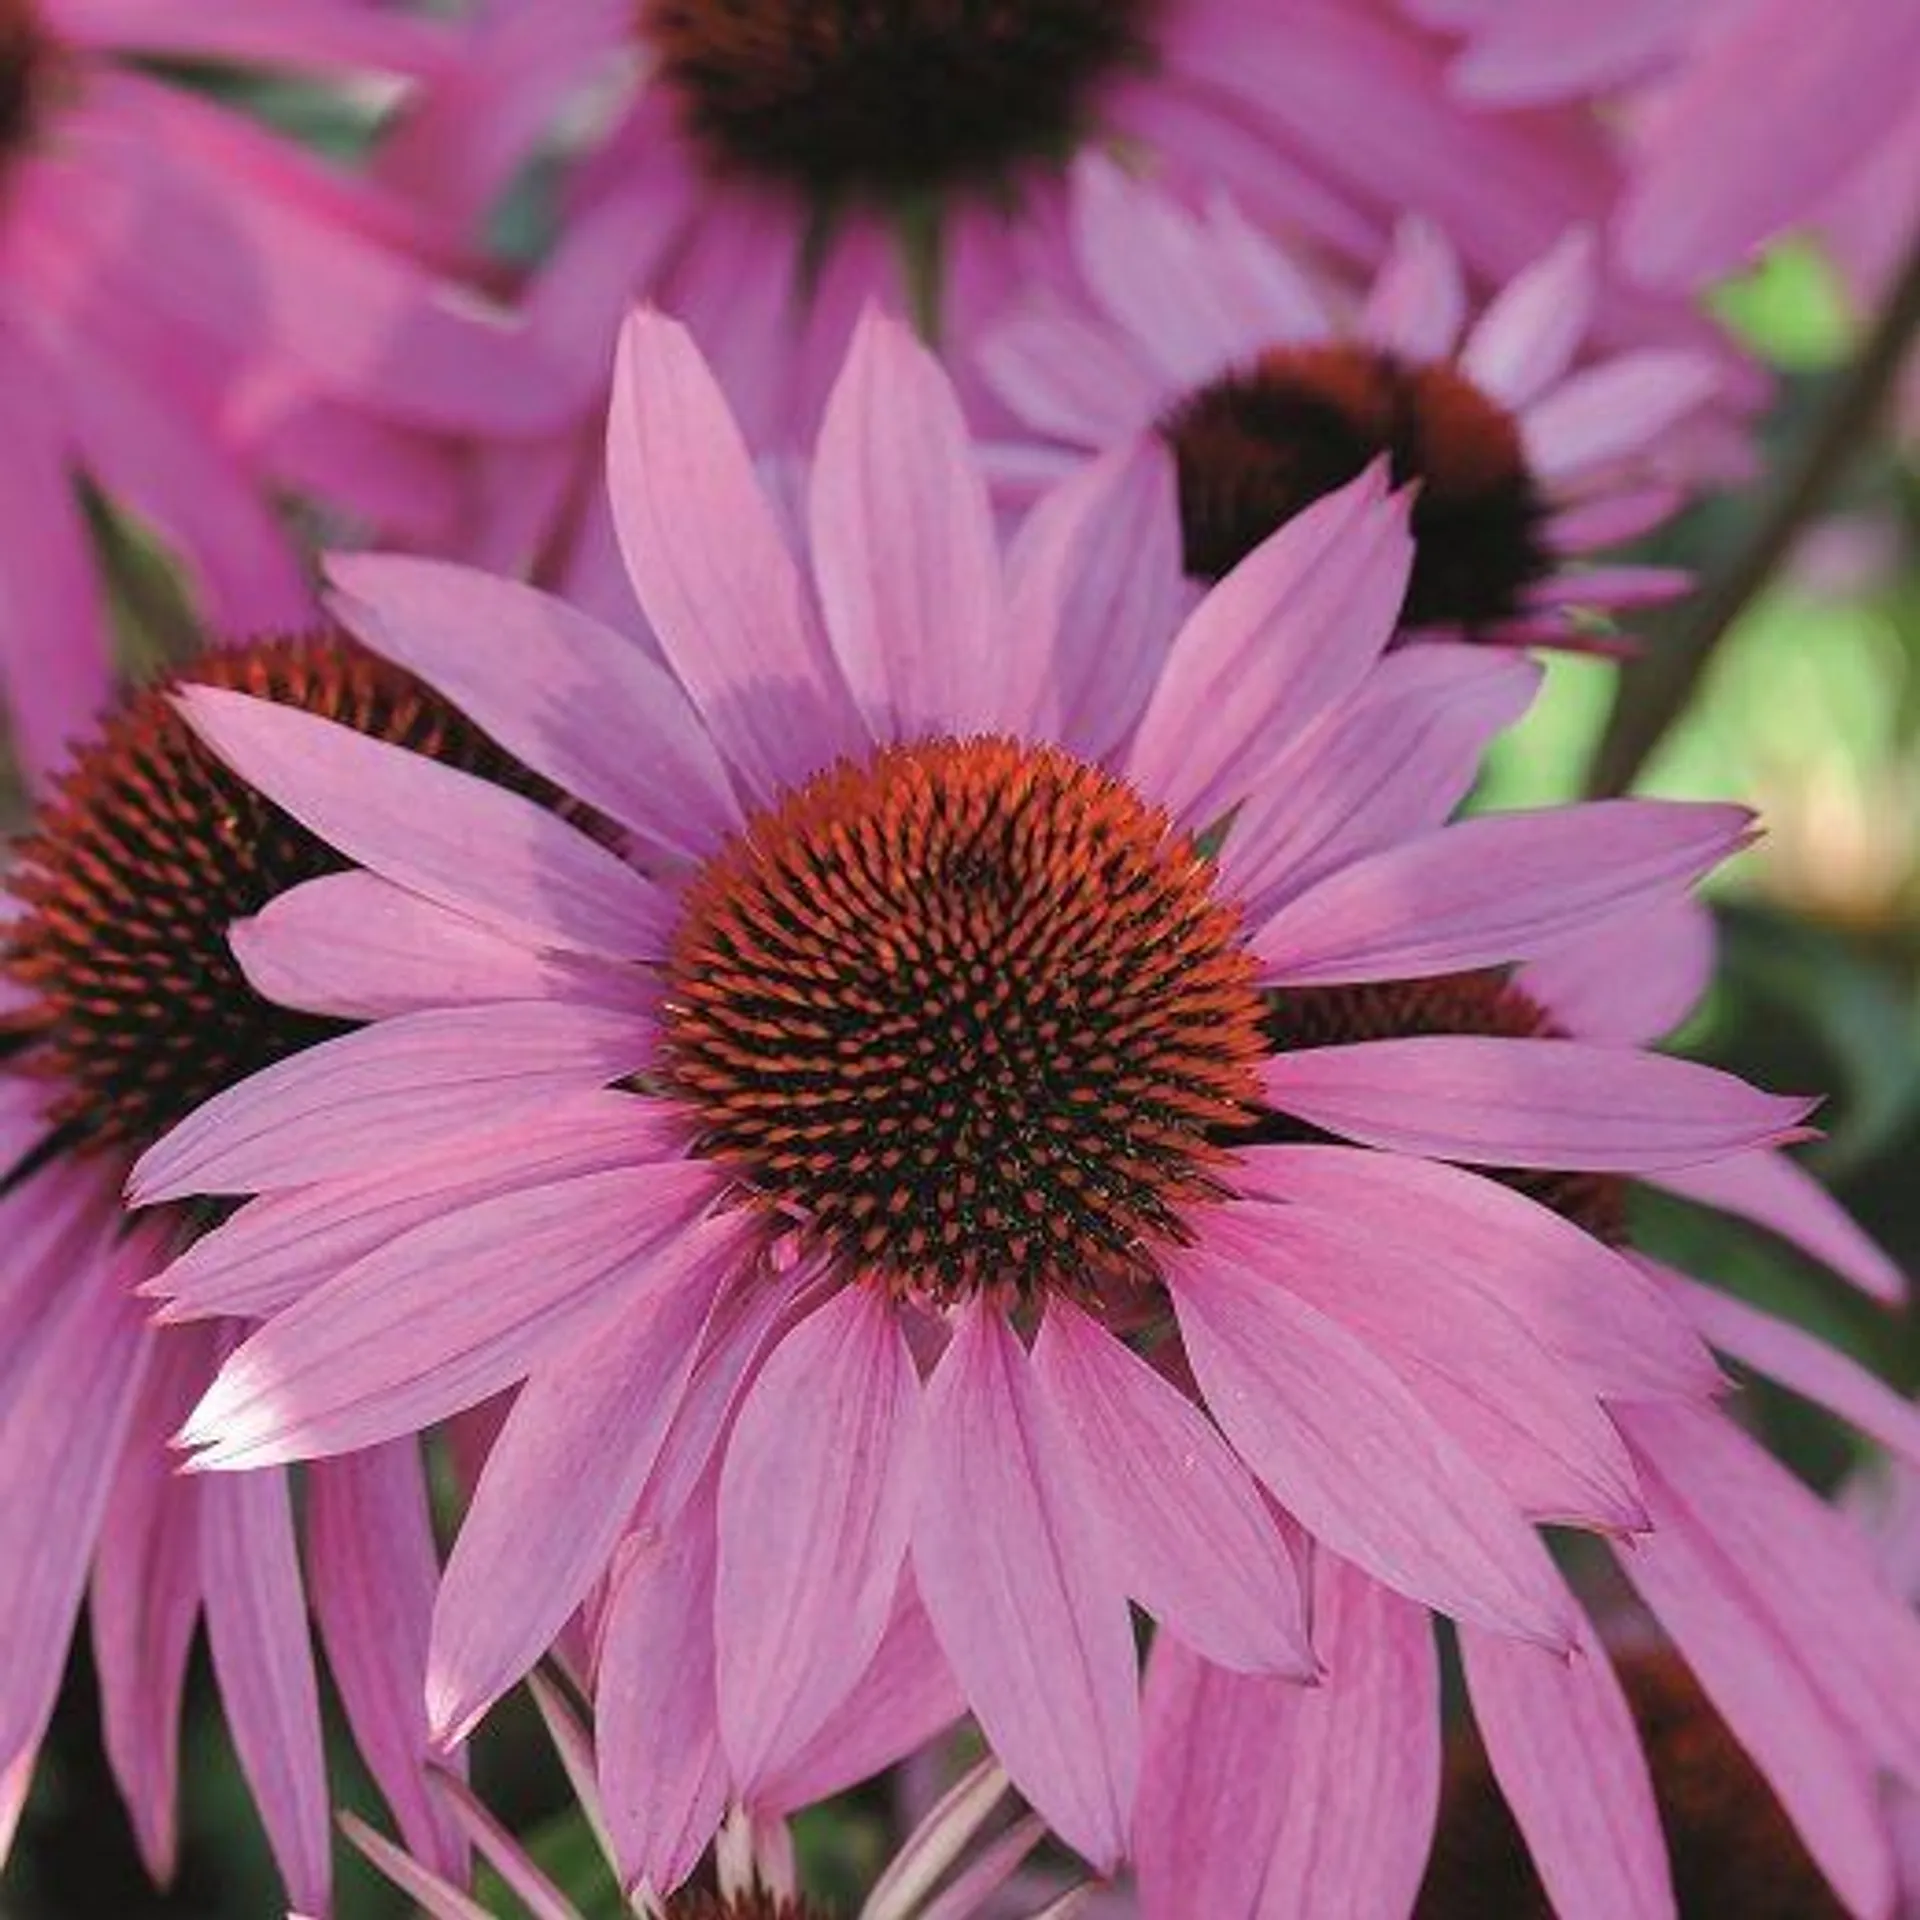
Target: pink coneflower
point(123, 1009)
point(191, 307)
point(1246, 398)
point(933, 1107)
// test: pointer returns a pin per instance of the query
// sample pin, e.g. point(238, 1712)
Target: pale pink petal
point(1616, 408)
point(446, 1315)
point(1185, 1522)
point(1564, 1747)
point(1807, 1364)
point(283, 1244)
point(1553, 48)
point(371, 1570)
point(570, 1461)
point(316, 35)
point(1532, 328)
point(903, 545)
point(1475, 1358)
point(1491, 889)
point(970, 1890)
point(1610, 519)
point(1022, 1593)
point(1779, 1194)
point(1213, 1783)
point(1615, 588)
point(1600, 1312)
point(1418, 303)
point(817, 1495)
point(570, 697)
point(1069, 379)
point(1291, 630)
point(1391, 762)
point(1765, 1687)
point(1528, 1103)
point(437, 1897)
point(498, 1847)
point(1350, 1452)
point(257, 1633)
point(1363, 1786)
point(661, 1769)
point(1097, 566)
point(460, 841)
point(1630, 982)
point(710, 566)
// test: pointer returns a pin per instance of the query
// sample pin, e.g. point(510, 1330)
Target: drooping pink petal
point(1067, 377)
point(1532, 328)
point(1391, 762)
point(1292, 629)
point(371, 1570)
point(462, 842)
point(1563, 1745)
point(1528, 1103)
point(1026, 1601)
point(1601, 1312)
point(257, 1632)
point(662, 1773)
point(562, 1477)
point(360, 948)
point(1632, 981)
point(1363, 1784)
point(1777, 1193)
point(402, 1087)
point(1185, 1522)
point(437, 1896)
point(1493, 888)
point(1474, 1357)
point(1613, 409)
point(903, 544)
point(445, 1315)
point(1347, 1448)
point(501, 1851)
point(1418, 302)
point(710, 567)
point(817, 1495)
point(572, 698)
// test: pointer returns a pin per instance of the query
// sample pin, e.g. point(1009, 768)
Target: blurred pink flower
point(907, 1080)
point(192, 307)
point(1246, 396)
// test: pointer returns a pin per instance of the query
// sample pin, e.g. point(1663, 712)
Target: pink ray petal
point(661, 1768)
point(1529, 1103)
point(572, 698)
point(571, 1459)
point(464, 843)
point(501, 1851)
point(903, 545)
point(1346, 1447)
point(1493, 888)
point(257, 1632)
point(445, 1315)
point(1418, 303)
point(1633, 981)
point(312, 34)
point(1022, 1594)
point(371, 1571)
point(404, 1087)
point(437, 1897)
point(1615, 408)
point(1564, 1747)
point(1068, 378)
point(817, 1496)
point(1527, 337)
point(710, 566)
point(1186, 1524)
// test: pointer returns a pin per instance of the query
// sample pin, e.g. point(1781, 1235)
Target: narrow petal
point(1363, 1785)
point(661, 1770)
point(446, 1315)
point(1632, 981)
point(1185, 1522)
point(1564, 1747)
point(572, 698)
point(816, 1503)
point(407, 1085)
point(501, 1851)
point(903, 544)
point(562, 1477)
point(463, 843)
point(1616, 408)
point(437, 1897)
point(936, 1842)
point(1529, 1103)
point(1492, 889)
point(710, 566)
point(1025, 1602)
point(371, 1570)
point(1418, 303)
point(360, 948)
point(257, 1632)
point(1346, 1447)
point(1532, 328)
point(1777, 1193)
